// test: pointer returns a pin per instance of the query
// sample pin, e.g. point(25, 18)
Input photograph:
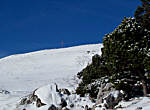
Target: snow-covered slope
point(140, 103)
point(21, 74)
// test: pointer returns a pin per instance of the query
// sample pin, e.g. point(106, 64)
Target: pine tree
point(125, 51)
point(142, 14)
point(125, 55)
point(92, 72)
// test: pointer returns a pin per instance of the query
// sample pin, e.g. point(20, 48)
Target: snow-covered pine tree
point(125, 51)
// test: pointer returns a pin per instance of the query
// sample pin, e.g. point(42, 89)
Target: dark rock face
point(4, 92)
point(63, 103)
point(39, 103)
point(71, 105)
point(65, 108)
point(23, 101)
point(138, 108)
point(64, 91)
point(111, 96)
point(103, 91)
point(30, 99)
point(33, 97)
point(112, 101)
point(86, 107)
point(52, 107)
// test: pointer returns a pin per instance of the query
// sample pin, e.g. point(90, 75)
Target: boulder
point(63, 103)
point(33, 97)
point(71, 105)
point(138, 108)
point(64, 91)
point(65, 108)
point(108, 96)
point(4, 92)
point(113, 99)
point(23, 101)
point(39, 103)
point(103, 91)
point(52, 107)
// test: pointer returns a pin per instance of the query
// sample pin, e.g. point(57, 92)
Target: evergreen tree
point(92, 72)
point(125, 52)
point(142, 14)
point(125, 55)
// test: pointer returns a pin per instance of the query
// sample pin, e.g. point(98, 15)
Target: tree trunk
point(143, 80)
point(144, 88)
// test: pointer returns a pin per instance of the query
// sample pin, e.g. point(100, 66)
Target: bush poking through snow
point(90, 74)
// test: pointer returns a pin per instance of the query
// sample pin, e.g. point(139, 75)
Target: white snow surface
point(26, 72)
point(23, 73)
point(141, 103)
point(47, 94)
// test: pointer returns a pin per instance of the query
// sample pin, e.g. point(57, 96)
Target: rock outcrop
point(52, 98)
point(108, 97)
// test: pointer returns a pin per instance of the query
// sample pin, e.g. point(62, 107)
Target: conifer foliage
point(92, 72)
point(142, 14)
point(125, 52)
point(125, 58)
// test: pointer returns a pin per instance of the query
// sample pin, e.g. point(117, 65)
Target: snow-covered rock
point(107, 96)
point(4, 92)
point(110, 101)
point(51, 98)
point(48, 95)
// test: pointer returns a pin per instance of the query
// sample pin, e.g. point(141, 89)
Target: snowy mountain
point(23, 73)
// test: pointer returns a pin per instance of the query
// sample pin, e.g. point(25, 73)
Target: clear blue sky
point(29, 25)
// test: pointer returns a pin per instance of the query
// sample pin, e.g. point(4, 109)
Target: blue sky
point(30, 25)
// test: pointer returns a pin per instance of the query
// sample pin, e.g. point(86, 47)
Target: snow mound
point(48, 95)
